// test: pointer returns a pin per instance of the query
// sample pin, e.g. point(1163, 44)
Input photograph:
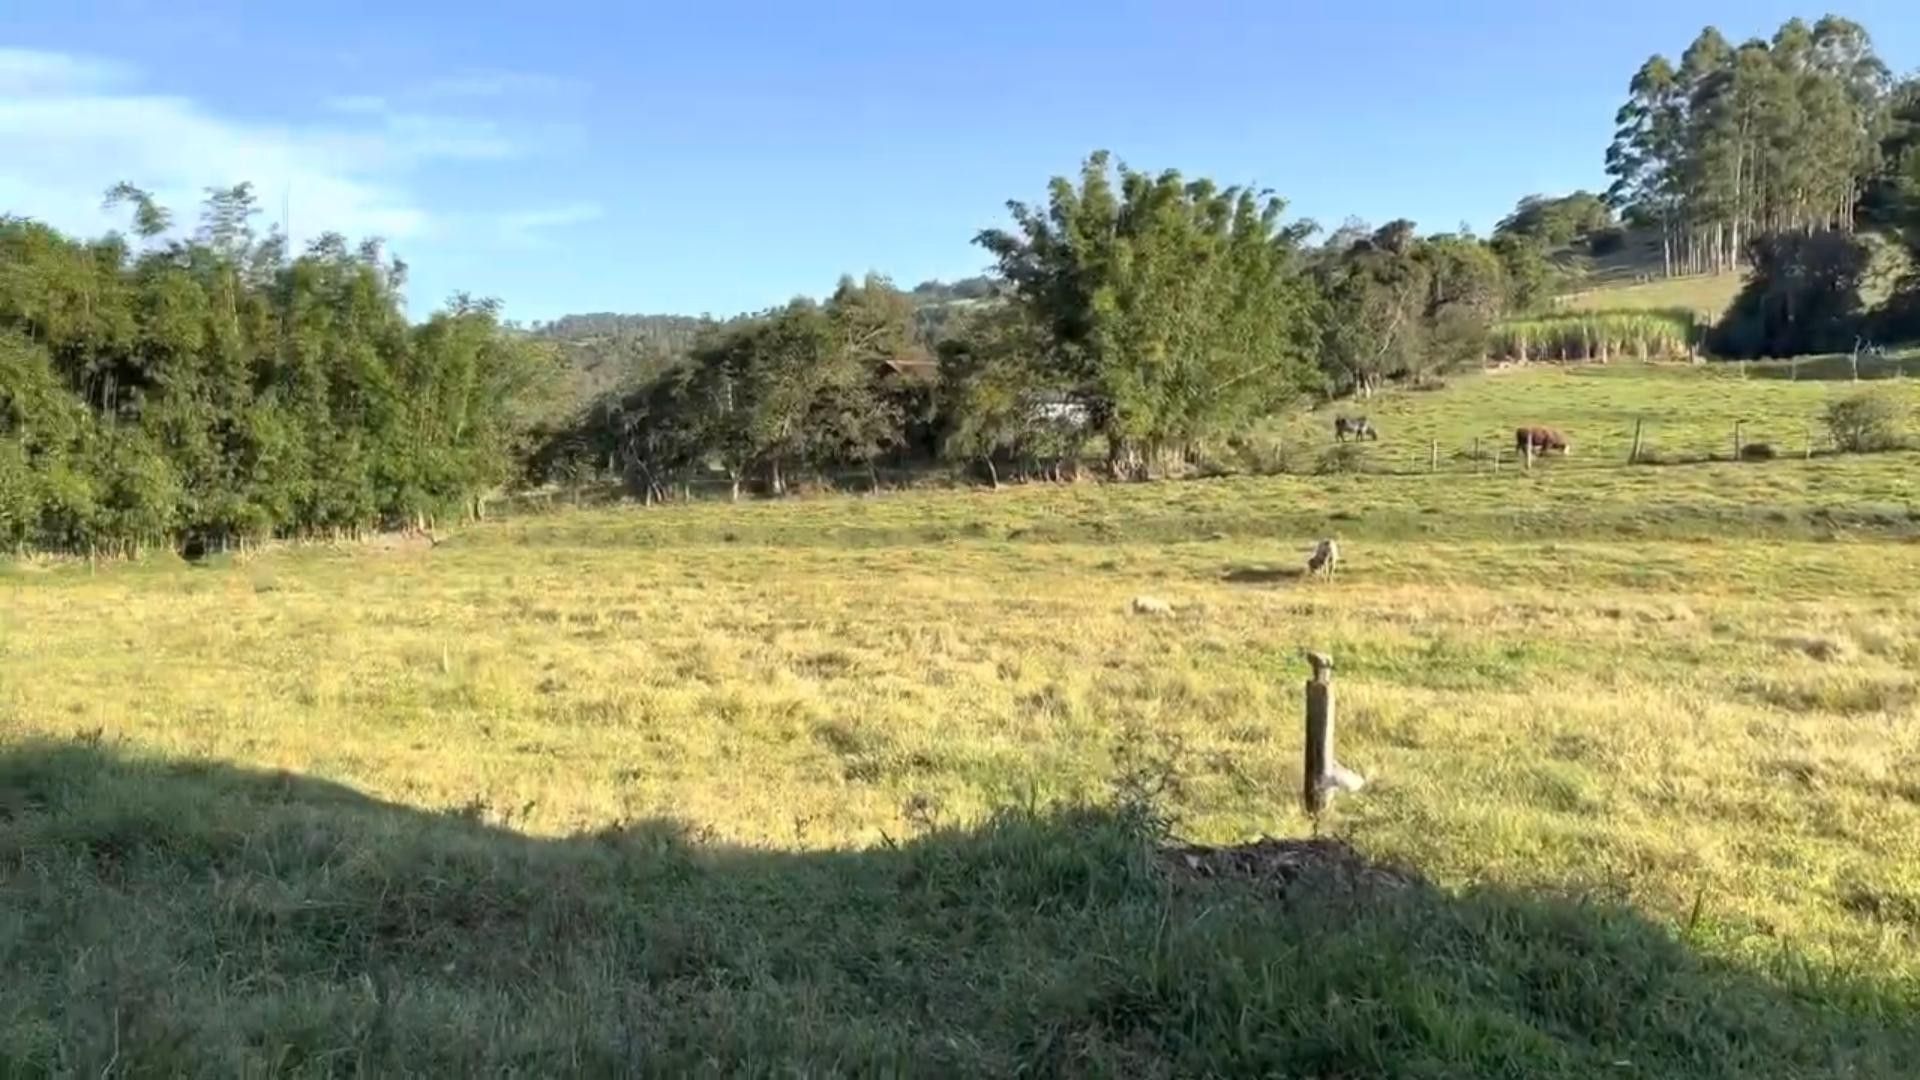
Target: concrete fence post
point(1322, 774)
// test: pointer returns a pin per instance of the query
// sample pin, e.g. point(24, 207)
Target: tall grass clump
point(1597, 335)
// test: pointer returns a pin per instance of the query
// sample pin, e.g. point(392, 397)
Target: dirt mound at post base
point(1281, 864)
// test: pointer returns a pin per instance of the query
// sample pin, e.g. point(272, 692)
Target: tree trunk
point(993, 474)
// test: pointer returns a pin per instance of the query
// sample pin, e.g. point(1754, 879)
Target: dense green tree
point(1556, 222)
point(1176, 310)
point(1002, 402)
point(804, 386)
point(215, 390)
point(1803, 297)
point(1895, 205)
point(1401, 306)
point(1528, 275)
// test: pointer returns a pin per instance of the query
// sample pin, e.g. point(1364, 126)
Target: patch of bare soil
point(1280, 864)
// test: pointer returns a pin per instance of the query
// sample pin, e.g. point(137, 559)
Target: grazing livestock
point(1152, 606)
point(1540, 440)
point(1325, 559)
point(1357, 426)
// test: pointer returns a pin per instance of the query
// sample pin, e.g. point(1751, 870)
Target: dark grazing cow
point(1357, 426)
point(1540, 440)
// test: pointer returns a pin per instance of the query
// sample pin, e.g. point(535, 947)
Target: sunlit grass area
point(1706, 295)
point(1685, 412)
point(888, 783)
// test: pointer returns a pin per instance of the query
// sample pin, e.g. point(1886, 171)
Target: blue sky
point(725, 156)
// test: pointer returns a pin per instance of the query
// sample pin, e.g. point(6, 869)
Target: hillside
point(1631, 278)
point(1685, 412)
point(606, 351)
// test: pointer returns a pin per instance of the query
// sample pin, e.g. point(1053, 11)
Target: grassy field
point(1686, 412)
point(892, 784)
point(1706, 295)
point(1631, 279)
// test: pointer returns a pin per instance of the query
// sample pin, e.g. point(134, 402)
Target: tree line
point(1807, 289)
point(218, 389)
point(1147, 318)
point(1735, 143)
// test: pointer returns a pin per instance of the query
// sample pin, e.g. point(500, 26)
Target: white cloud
point(27, 71)
point(357, 103)
point(73, 125)
point(428, 136)
point(525, 226)
point(494, 84)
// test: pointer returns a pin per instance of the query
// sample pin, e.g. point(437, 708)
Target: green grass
point(885, 784)
point(1687, 413)
point(1706, 295)
point(1631, 279)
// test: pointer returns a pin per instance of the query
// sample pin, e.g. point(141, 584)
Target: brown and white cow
point(1540, 440)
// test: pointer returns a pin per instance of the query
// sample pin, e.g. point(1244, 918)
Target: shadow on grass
point(1263, 575)
point(173, 919)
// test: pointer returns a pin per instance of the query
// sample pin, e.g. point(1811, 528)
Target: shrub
point(1342, 458)
point(1758, 451)
point(1607, 241)
point(1866, 421)
point(1261, 454)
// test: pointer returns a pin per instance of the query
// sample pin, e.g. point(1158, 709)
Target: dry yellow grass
point(1534, 712)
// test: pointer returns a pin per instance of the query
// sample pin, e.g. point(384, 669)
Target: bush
point(1261, 454)
point(1867, 421)
point(1758, 451)
point(1342, 458)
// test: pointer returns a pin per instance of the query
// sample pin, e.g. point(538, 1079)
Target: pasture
point(890, 784)
point(1706, 295)
point(1688, 414)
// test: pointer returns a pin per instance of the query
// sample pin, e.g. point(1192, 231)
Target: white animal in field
point(1152, 606)
point(1325, 558)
